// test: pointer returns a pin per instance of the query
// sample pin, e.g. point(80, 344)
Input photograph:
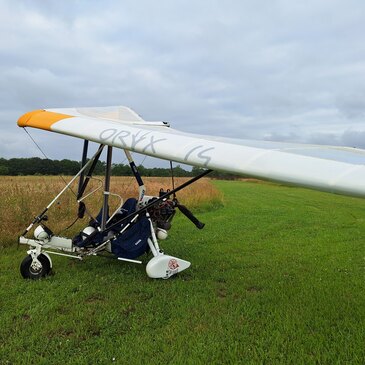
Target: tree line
point(39, 166)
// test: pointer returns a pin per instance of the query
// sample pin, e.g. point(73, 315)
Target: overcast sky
point(275, 70)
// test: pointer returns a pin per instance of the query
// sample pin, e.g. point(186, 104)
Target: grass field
point(277, 277)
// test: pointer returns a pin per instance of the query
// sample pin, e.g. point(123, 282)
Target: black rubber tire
point(29, 273)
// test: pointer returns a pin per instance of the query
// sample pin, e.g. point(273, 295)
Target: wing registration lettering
point(145, 141)
point(200, 154)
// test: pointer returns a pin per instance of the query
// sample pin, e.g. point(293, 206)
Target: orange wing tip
point(41, 119)
point(24, 119)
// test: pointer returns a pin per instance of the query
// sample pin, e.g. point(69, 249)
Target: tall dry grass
point(24, 197)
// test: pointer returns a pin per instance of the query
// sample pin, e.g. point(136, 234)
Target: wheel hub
point(35, 267)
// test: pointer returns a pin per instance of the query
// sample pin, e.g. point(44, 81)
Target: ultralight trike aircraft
point(136, 226)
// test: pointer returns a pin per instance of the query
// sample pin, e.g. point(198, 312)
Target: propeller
point(188, 214)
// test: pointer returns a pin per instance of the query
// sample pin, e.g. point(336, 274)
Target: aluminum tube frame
point(141, 186)
point(41, 215)
point(95, 160)
point(146, 207)
point(104, 215)
point(83, 162)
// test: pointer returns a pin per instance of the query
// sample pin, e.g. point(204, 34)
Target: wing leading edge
point(328, 168)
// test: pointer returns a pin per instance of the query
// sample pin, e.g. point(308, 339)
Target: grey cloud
point(277, 70)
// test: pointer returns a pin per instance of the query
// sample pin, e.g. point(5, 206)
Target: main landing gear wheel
point(30, 270)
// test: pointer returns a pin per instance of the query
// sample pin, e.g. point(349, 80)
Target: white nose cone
point(164, 266)
point(40, 234)
point(161, 234)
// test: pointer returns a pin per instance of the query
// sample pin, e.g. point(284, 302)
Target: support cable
point(62, 178)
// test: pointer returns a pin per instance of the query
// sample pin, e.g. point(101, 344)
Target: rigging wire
point(63, 179)
point(37, 145)
point(68, 227)
point(43, 153)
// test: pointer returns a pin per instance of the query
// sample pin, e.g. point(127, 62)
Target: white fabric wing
point(328, 168)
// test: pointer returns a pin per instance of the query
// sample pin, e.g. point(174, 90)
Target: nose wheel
point(35, 269)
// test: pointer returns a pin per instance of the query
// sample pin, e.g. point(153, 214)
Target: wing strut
point(83, 162)
point(141, 186)
point(104, 215)
point(95, 160)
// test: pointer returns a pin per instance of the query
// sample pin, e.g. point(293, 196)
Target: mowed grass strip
point(277, 277)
